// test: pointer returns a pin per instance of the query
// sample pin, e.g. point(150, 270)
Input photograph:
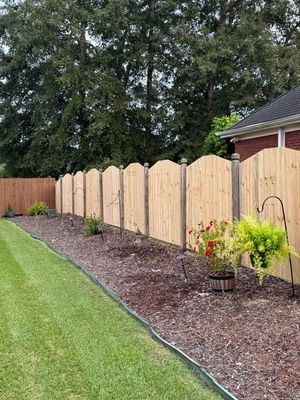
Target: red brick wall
point(292, 140)
point(246, 148)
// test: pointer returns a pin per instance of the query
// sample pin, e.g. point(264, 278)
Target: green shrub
point(91, 225)
point(37, 208)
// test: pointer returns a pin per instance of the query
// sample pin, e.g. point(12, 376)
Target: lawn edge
point(208, 379)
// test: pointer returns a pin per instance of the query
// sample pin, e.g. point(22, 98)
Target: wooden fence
point(168, 199)
point(20, 193)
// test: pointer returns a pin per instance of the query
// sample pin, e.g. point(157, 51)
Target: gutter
point(278, 123)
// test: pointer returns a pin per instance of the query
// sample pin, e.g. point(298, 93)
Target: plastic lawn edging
point(200, 371)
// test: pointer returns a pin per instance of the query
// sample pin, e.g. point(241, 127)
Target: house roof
point(284, 108)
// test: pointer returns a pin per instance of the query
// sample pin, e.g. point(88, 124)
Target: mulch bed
point(247, 339)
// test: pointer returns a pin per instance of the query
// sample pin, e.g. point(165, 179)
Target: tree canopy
point(97, 82)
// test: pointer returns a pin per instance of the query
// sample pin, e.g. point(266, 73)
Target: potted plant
point(217, 243)
point(264, 242)
point(10, 212)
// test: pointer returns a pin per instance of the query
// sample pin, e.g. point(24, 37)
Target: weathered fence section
point(20, 193)
point(209, 194)
point(274, 172)
point(93, 193)
point(164, 201)
point(134, 195)
point(111, 196)
point(169, 199)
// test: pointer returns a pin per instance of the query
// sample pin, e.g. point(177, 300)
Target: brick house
point(277, 124)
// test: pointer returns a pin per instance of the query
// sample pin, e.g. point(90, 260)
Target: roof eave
point(278, 123)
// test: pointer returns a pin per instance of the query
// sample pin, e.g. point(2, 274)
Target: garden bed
point(247, 339)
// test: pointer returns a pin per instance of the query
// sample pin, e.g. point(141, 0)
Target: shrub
point(91, 225)
point(37, 208)
point(265, 242)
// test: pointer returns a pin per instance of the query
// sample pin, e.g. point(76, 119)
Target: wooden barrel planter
point(223, 283)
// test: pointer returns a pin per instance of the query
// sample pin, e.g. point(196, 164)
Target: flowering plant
point(217, 242)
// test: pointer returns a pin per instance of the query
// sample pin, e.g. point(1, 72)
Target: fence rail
point(20, 193)
point(168, 199)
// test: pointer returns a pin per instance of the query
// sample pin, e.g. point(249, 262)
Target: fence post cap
point(61, 176)
point(183, 161)
point(84, 171)
point(72, 173)
point(146, 164)
point(101, 170)
point(121, 166)
point(235, 157)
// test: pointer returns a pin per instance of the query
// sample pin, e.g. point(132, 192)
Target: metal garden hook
point(286, 233)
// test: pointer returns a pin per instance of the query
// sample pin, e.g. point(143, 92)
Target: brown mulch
point(247, 339)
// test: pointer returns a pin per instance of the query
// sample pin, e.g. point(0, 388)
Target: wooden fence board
point(20, 193)
point(164, 201)
point(208, 191)
point(58, 196)
point(93, 193)
point(79, 194)
point(274, 171)
point(134, 198)
point(67, 194)
point(111, 196)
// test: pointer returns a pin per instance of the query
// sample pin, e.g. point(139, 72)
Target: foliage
point(264, 241)
point(92, 225)
point(214, 144)
point(9, 208)
point(217, 243)
point(37, 208)
point(83, 83)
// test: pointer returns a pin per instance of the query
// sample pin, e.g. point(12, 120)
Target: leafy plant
point(9, 208)
point(213, 144)
point(265, 242)
point(37, 208)
point(92, 225)
point(217, 243)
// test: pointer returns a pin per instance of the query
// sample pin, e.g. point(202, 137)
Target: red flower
point(207, 228)
point(208, 253)
point(194, 249)
point(211, 222)
point(210, 244)
point(225, 222)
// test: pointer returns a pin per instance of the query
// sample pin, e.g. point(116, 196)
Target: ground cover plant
point(247, 339)
point(37, 208)
point(61, 337)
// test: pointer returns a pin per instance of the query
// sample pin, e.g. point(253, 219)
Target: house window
point(281, 137)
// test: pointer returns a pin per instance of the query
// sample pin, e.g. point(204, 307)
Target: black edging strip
point(204, 375)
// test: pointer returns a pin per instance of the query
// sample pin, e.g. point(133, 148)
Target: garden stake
point(286, 234)
point(181, 258)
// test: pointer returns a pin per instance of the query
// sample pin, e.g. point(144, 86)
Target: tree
point(214, 144)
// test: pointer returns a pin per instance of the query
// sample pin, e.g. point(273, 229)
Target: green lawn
point(61, 337)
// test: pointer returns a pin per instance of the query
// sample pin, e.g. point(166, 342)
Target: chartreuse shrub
point(61, 337)
point(92, 225)
point(265, 242)
point(37, 208)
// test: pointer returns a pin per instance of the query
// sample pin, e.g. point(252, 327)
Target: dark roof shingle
point(286, 105)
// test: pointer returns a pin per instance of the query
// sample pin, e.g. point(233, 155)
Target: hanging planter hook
point(286, 233)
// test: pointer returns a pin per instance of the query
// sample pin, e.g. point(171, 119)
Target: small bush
point(91, 225)
point(37, 208)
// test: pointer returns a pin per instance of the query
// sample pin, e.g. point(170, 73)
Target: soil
point(247, 339)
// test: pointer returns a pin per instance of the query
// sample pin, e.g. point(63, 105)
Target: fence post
point(84, 194)
point(73, 194)
point(101, 195)
point(235, 171)
point(61, 193)
point(121, 197)
point(183, 165)
point(146, 199)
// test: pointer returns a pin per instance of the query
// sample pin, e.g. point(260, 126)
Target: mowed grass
point(61, 337)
